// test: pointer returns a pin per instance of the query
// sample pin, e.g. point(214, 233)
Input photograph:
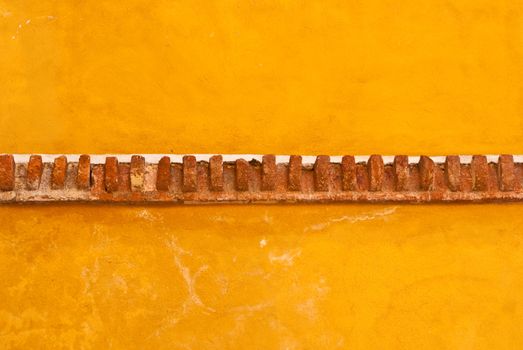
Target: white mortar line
point(177, 158)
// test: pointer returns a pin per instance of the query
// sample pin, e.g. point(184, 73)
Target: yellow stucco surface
point(309, 77)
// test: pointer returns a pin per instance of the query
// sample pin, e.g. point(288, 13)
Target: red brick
point(98, 178)
point(376, 169)
point(163, 177)
point(453, 173)
point(242, 175)
point(111, 174)
point(295, 169)
point(506, 175)
point(426, 173)
point(480, 173)
point(348, 174)
point(136, 173)
point(124, 177)
point(216, 173)
point(268, 172)
point(189, 174)
point(321, 173)
point(59, 173)
point(83, 177)
point(7, 172)
point(401, 172)
point(34, 172)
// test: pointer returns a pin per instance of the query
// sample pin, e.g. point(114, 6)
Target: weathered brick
point(426, 173)
point(326, 182)
point(480, 173)
point(83, 176)
point(216, 173)
point(163, 177)
point(453, 173)
point(189, 174)
point(268, 172)
point(59, 173)
point(98, 178)
point(321, 173)
point(34, 172)
point(136, 173)
point(295, 169)
point(348, 174)
point(111, 174)
point(506, 175)
point(376, 169)
point(242, 175)
point(7, 172)
point(401, 172)
point(124, 177)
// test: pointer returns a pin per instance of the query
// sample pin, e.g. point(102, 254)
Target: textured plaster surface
point(261, 277)
point(166, 76)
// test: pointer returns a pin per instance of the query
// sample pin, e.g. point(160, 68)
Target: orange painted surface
point(256, 77)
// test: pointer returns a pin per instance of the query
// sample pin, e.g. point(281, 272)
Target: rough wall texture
point(261, 277)
point(261, 76)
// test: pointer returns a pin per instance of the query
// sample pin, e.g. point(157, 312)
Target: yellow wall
point(305, 77)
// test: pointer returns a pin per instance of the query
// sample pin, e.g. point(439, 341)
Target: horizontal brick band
point(218, 179)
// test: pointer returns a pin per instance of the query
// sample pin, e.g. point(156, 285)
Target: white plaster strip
point(177, 158)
